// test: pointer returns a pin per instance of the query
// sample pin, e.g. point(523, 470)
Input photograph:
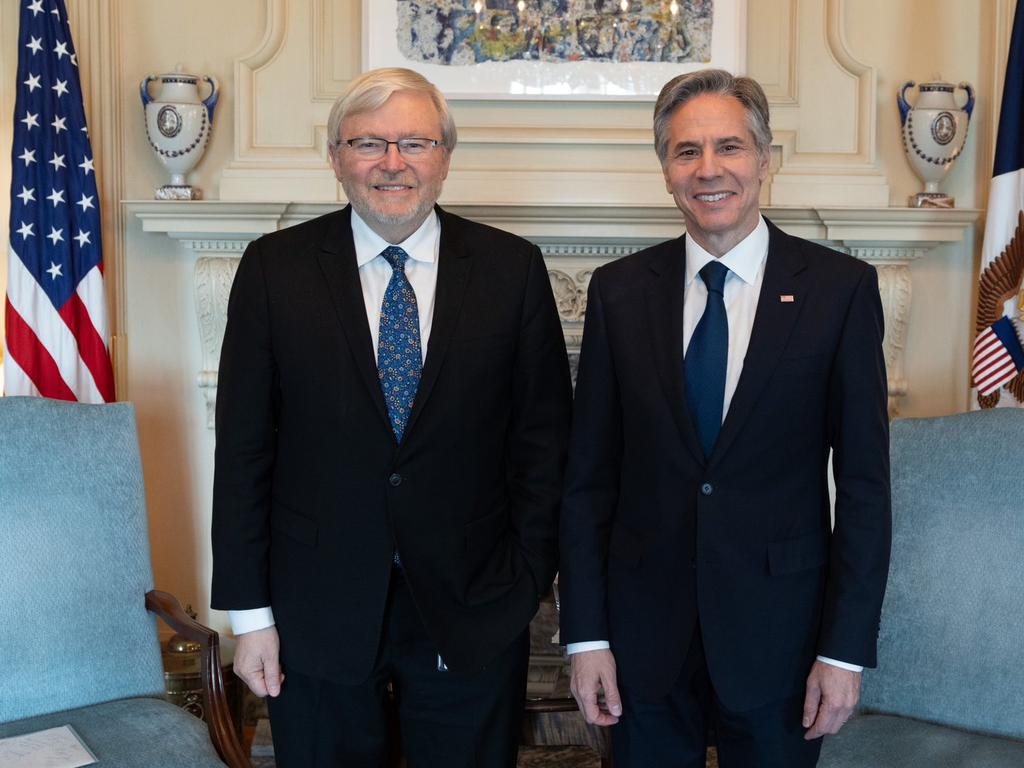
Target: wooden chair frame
point(215, 702)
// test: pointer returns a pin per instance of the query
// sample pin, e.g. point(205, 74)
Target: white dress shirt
point(423, 247)
point(742, 289)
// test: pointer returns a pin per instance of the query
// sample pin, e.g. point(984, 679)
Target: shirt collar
point(421, 245)
point(745, 259)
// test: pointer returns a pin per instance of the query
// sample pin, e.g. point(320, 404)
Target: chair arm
point(218, 717)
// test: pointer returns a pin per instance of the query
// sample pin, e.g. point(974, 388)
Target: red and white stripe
point(57, 353)
point(993, 365)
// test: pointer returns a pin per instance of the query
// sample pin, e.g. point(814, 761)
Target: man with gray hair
point(392, 417)
point(703, 586)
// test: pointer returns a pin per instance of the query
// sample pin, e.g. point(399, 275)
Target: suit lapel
point(774, 321)
point(338, 262)
point(664, 299)
point(453, 268)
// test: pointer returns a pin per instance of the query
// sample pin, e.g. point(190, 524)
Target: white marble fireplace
point(575, 240)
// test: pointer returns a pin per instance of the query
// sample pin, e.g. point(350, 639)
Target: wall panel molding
point(334, 66)
point(822, 99)
point(285, 52)
point(828, 139)
point(775, 67)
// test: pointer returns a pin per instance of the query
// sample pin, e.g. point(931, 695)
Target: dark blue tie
point(706, 359)
point(399, 354)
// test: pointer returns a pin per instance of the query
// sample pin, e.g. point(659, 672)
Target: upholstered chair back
point(951, 648)
point(74, 559)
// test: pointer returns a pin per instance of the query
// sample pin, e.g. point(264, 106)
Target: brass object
point(544, 674)
point(183, 681)
point(179, 644)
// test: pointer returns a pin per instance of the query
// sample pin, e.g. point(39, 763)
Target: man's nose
point(708, 166)
point(392, 160)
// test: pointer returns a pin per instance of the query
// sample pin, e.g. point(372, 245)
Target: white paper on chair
point(53, 748)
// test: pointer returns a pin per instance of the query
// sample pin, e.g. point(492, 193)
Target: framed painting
point(554, 49)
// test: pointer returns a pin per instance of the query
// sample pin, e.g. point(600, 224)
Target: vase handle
point(901, 101)
point(969, 105)
point(144, 89)
point(210, 102)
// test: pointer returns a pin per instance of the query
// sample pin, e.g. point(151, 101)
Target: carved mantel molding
point(575, 240)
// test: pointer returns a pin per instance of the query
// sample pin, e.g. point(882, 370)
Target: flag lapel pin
point(786, 298)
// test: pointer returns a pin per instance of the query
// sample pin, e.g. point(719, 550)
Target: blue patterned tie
point(706, 359)
point(399, 355)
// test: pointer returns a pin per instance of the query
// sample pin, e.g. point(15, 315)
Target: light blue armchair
point(77, 644)
point(949, 688)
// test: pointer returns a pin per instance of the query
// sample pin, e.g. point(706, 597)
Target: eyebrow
point(718, 142)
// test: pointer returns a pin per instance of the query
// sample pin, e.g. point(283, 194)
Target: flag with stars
point(57, 339)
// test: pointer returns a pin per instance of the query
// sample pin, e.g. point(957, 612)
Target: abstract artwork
point(465, 32)
point(554, 49)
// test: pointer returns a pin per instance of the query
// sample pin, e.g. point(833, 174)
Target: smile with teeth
point(391, 187)
point(713, 198)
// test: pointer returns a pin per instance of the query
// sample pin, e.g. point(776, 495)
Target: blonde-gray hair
point(371, 89)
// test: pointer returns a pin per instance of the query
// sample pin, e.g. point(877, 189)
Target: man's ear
point(447, 164)
point(334, 156)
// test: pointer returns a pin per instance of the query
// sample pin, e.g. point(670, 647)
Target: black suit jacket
point(312, 494)
point(654, 537)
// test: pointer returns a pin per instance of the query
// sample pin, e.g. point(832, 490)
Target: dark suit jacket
point(312, 494)
point(655, 537)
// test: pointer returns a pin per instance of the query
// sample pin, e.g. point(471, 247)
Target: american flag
point(56, 309)
point(997, 356)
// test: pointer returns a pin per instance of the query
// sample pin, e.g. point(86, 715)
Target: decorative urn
point(934, 134)
point(178, 125)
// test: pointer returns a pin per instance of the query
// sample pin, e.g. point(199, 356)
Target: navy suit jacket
point(654, 537)
point(312, 494)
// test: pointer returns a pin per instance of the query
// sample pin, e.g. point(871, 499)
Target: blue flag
point(997, 374)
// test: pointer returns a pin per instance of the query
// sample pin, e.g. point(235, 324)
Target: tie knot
point(713, 274)
point(396, 257)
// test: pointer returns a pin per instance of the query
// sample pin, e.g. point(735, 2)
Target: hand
point(256, 661)
point(832, 693)
point(591, 672)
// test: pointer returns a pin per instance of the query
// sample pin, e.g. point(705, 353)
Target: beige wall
point(8, 68)
point(162, 342)
point(205, 38)
point(923, 40)
point(151, 277)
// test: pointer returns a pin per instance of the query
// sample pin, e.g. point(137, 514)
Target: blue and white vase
point(934, 134)
point(178, 126)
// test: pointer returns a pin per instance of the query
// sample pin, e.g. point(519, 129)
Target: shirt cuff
point(590, 645)
point(250, 620)
point(842, 664)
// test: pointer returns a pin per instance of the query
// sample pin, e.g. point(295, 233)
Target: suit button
point(395, 480)
point(707, 489)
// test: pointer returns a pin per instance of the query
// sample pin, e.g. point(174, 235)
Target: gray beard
point(378, 220)
point(369, 214)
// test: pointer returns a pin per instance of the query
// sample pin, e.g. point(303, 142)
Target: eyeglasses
point(372, 148)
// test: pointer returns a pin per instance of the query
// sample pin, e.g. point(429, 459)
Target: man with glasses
point(392, 417)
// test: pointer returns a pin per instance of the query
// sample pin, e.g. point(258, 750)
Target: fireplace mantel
point(575, 240)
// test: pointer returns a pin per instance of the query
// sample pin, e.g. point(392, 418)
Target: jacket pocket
point(297, 527)
point(484, 531)
point(795, 555)
point(491, 565)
